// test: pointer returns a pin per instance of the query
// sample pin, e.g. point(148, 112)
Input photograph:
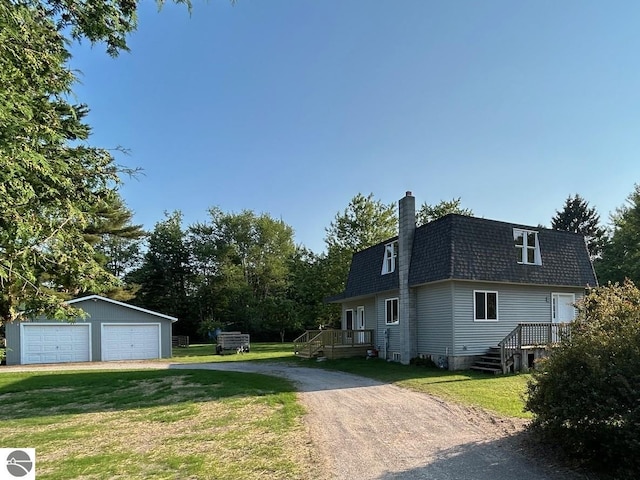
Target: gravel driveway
point(362, 429)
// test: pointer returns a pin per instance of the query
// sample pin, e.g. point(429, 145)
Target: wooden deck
point(332, 344)
point(529, 337)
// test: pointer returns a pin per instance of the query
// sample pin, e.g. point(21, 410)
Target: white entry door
point(59, 343)
point(360, 323)
point(562, 309)
point(125, 341)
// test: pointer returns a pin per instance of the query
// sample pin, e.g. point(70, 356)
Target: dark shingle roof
point(468, 248)
point(365, 275)
point(459, 247)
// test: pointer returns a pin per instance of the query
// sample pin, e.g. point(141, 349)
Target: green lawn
point(502, 394)
point(198, 423)
point(199, 353)
point(155, 424)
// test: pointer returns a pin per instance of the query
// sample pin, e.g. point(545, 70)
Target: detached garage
point(113, 331)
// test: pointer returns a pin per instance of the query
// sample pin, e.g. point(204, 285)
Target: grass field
point(502, 394)
point(198, 353)
point(155, 424)
point(198, 423)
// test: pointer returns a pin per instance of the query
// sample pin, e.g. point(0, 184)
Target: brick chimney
point(406, 299)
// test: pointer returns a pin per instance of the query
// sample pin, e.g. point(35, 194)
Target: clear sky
point(292, 107)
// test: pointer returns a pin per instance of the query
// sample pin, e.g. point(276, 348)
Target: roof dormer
point(527, 246)
point(390, 257)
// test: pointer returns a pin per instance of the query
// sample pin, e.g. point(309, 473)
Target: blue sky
point(292, 107)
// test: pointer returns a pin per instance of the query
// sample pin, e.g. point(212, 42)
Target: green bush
point(585, 396)
point(423, 362)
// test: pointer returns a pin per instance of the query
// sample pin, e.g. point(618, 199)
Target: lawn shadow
point(26, 395)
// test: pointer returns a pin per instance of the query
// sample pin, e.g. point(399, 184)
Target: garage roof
point(122, 304)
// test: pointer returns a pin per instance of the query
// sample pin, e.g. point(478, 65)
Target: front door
point(360, 323)
point(562, 311)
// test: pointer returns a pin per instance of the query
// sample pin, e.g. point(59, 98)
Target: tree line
point(243, 271)
point(65, 231)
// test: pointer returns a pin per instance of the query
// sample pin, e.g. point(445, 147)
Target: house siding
point(370, 317)
point(516, 304)
point(393, 345)
point(434, 314)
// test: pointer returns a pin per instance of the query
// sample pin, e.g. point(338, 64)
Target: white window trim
point(537, 258)
point(390, 258)
point(483, 320)
point(386, 302)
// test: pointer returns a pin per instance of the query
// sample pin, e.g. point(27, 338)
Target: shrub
point(423, 362)
point(585, 396)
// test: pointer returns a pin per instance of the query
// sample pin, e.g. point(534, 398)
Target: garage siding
point(100, 312)
point(105, 312)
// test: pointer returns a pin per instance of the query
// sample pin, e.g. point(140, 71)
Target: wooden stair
point(490, 362)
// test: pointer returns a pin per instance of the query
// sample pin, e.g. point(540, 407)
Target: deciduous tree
point(586, 396)
point(428, 213)
point(621, 255)
point(363, 223)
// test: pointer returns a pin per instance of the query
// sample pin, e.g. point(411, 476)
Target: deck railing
point(312, 341)
point(530, 335)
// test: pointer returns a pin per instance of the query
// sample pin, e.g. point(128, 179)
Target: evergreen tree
point(164, 275)
point(576, 216)
point(51, 179)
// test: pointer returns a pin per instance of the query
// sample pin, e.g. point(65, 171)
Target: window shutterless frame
point(527, 247)
point(390, 256)
point(391, 309)
point(485, 306)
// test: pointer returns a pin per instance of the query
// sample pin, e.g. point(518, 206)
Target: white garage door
point(45, 343)
point(127, 341)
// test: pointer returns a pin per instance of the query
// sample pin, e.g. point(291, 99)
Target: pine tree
point(576, 216)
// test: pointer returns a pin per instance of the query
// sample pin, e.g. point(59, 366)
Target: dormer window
point(390, 255)
point(527, 247)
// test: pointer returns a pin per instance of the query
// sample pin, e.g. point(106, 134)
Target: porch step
point(489, 362)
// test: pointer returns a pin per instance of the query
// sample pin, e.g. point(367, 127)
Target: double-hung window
point(485, 305)
point(391, 311)
point(527, 247)
point(390, 256)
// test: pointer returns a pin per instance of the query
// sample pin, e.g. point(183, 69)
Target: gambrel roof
point(458, 247)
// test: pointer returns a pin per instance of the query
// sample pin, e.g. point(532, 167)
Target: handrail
point(531, 334)
point(311, 345)
point(312, 341)
point(509, 345)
